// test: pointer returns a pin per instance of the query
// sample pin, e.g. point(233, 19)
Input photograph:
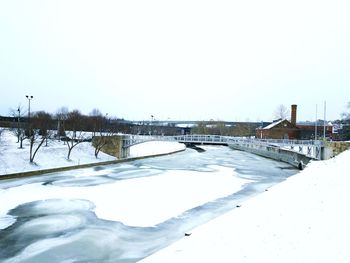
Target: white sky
point(198, 60)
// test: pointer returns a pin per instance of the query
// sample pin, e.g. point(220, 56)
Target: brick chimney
point(293, 117)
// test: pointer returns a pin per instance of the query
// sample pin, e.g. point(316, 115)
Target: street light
point(18, 120)
point(152, 117)
point(19, 115)
point(29, 99)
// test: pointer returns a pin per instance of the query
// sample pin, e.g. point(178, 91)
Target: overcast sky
point(194, 60)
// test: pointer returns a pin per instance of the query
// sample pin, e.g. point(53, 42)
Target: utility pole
point(29, 99)
point(19, 115)
point(316, 124)
point(324, 121)
point(18, 124)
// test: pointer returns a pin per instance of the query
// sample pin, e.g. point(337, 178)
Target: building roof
point(273, 124)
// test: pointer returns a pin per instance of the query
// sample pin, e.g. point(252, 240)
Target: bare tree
point(19, 131)
point(74, 135)
point(201, 128)
point(100, 124)
point(35, 142)
point(73, 139)
point(100, 141)
point(96, 120)
point(22, 137)
point(43, 121)
point(39, 132)
point(219, 128)
point(281, 112)
point(61, 116)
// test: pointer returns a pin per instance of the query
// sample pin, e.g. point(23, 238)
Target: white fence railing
point(309, 148)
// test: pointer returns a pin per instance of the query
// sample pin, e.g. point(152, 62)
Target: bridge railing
point(310, 148)
point(201, 138)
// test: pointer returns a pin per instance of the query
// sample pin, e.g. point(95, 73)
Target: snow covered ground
point(14, 160)
point(155, 147)
point(303, 219)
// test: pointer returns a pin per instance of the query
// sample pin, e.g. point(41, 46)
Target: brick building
point(284, 129)
point(281, 129)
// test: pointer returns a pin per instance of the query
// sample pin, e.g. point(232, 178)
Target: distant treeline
point(74, 120)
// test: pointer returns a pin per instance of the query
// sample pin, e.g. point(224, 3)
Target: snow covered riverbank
point(127, 211)
point(15, 160)
point(155, 147)
point(303, 219)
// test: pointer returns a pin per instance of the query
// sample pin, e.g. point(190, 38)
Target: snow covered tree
point(281, 112)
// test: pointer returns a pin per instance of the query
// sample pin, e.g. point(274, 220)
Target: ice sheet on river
point(125, 212)
point(144, 201)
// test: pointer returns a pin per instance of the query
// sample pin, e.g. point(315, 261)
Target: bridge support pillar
point(124, 150)
point(326, 153)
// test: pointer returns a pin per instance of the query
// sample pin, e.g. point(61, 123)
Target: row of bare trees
point(70, 127)
point(221, 128)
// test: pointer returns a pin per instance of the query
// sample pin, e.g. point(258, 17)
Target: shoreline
point(302, 219)
point(80, 166)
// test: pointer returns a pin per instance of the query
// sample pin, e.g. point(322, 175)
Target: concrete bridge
point(296, 152)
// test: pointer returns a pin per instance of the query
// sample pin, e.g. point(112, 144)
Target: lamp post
point(151, 122)
point(29, 99)
point(18, 128)
point(19, 115)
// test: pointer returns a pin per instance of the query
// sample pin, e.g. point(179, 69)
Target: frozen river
point(125, 212)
